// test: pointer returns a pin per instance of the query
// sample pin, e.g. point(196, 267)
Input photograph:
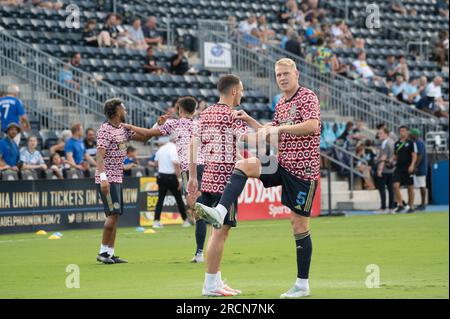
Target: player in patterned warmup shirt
point(182, 129)
point(217, 134)
point(111, 150)
point(296, 126)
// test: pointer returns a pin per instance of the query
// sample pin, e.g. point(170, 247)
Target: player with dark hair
point(296, 126)
point(217, 133)
point(111, 150)
point(182, 129)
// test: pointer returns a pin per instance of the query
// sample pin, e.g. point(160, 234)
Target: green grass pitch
point(411, 252)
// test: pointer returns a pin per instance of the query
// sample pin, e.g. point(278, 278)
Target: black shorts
point(185, 178)
point(113, 202)
point(212, 200)
point(297, 194)
point(404, 178)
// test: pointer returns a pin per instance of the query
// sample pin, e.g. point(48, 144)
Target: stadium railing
point(347, 97)
point(42, 71)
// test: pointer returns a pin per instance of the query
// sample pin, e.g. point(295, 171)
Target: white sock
point(103, 249)
point(222, 211)
point(219, 278)
point(210, 281)
point(110, 251)
point(302, 283)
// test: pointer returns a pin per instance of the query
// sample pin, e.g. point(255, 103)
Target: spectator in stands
point(66, 78)
point(412, 92)
point(398, 7)
point(285, 12)
point(321, 56)
point(123, 37)
point(90, 34)
point(232, 26)
point(440, 48)
point(201, 106)
point(48, 4)
point(9, 151)
point(286, 37)
point(337, 67)
point(294, 45)
point(402, 67)
point(385, 169)
point(14, 3)
point(109, 33)
point(326, 35)
point(361, 132)
point(136, 34)
point(342, 36)
point(346, 135)
point(76, 155)
point(313, 32)
point(365, 168)
point(31, 157)
point(382, 126)
point(151, 66)
point(398, 87)
point(405, 157)
point(420, 176)
point(56, 165)
point(151, 35)
point(90, 142)
point(179, 64)
point(59, 147)
point(130, 161)
point(266, 33)
point(433, 102)
point(390, 69)
point(363, 69)
point(441, 7)
point(246, 26)
point(253, 40)
point(75, 60)
point(13, 111)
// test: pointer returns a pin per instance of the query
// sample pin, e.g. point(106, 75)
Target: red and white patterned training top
point(299, 155)
point(113, 139)
point(219, 134)
point(182, 129)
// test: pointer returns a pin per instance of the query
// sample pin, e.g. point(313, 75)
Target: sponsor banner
point(28, 206)
point(169, 215)
point(217, 55)
point(257, 202)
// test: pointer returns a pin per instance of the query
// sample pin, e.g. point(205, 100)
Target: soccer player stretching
point(218, 133)
point(297, 126)
point(182, 129)
point(111, 151)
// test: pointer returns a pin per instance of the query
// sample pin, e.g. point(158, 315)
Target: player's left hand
point(240, 115)
point(191, 198)
point(411, 169)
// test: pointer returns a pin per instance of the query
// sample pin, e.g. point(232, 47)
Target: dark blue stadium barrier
point(28, 206)
point(439, 183)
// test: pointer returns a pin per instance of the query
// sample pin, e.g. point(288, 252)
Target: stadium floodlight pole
point(346, 10)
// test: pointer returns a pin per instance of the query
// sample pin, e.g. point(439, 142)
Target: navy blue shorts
point(297, 194)
point(113, 202)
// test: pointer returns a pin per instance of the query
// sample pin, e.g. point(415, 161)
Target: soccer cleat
point(198, 258)
point(421, 207)
point(211, 215)
point(104, 258)
point(157, 224)
point(186, 224)
point(296, 292)
point(410, 211)
point(118, 260)
point(400, 209)
point(217, 292)
point(224, 286)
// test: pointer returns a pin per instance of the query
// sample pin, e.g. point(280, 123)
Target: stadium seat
point(73, 174)
point(137, 172)
point(27, 175)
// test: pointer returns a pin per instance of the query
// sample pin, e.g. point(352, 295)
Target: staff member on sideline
point(420, 176)
point(169, 178)
point(405, 156)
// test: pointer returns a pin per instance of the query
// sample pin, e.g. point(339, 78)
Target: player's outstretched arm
point(145, 132)
point(306, 128)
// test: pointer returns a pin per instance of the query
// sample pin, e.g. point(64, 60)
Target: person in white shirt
point(136, 34)
point(169, 178)
point(433, 102)
point(246, 26)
